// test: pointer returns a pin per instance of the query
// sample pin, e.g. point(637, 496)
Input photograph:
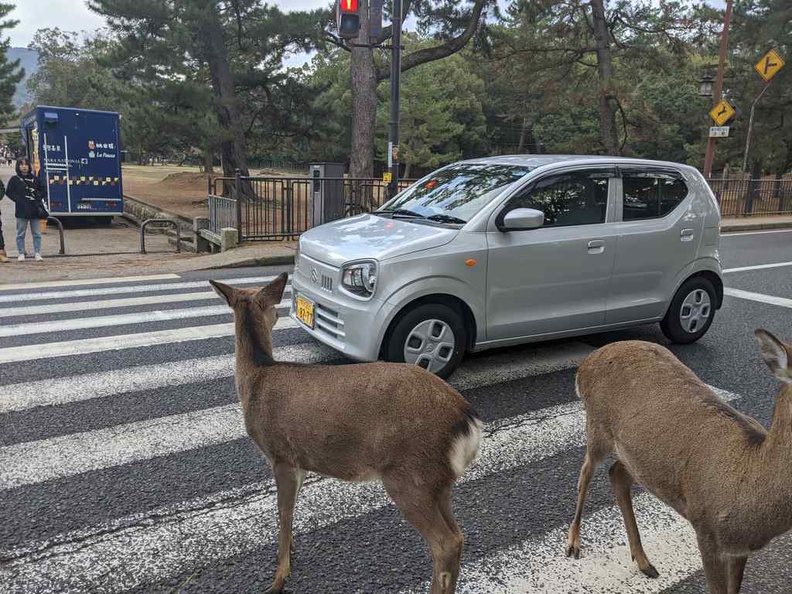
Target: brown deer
point(718, 468)
point(396, 423)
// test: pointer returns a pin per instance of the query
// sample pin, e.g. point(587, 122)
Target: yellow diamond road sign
point(769, 65)
point(722, 112)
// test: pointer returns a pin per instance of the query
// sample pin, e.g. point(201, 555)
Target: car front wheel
point(691, 312)
point(432, 336)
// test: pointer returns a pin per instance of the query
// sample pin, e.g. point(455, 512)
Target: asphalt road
point(124, 465)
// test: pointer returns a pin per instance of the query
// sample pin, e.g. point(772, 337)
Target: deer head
point(255, 315)
point(776, 354)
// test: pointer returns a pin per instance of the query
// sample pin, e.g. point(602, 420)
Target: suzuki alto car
point(505, 250)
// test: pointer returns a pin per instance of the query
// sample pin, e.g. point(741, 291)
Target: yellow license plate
point(305, 311)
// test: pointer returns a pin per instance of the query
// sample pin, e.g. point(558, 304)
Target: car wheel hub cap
point(695, 311)
point(430, 344)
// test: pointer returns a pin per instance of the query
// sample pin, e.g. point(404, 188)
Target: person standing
point(3, 256)
point(26, 191)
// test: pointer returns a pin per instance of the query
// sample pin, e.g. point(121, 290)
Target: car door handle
point(687, 234)
point(596, 246)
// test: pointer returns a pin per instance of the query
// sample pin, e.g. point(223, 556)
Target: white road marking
point(123, 341)
point(37, 461)
point(235, 523)
point(757, 267)
point(23, 298)
point(89, 281)
point(120, 320)
point(760, 297)
point(81, 306)
point(79, 388)
point(539, 564)
point(761, 232)
point(492, 368)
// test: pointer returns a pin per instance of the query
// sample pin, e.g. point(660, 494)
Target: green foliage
point(529, 83)
point(10, 72)
point(442, 115)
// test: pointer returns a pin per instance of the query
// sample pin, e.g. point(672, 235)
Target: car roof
point(535, 161)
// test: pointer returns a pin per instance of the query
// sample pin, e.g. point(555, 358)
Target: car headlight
point(360, 278)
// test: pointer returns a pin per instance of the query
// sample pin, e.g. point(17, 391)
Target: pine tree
point(10, 72)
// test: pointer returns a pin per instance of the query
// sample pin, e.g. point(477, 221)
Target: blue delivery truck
point(76, 154)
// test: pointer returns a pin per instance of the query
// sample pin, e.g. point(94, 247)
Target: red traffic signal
point(348, 5)
point(348, 19)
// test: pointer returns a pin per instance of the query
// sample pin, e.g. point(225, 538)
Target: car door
point(659, 232)
point(554, 278)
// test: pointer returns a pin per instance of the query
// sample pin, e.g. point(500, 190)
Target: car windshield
point(453, 194)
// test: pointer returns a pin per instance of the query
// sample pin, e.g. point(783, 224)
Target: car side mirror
point(521, 219)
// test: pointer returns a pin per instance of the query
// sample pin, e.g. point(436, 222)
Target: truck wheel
point(691, 312)
point(432, 336)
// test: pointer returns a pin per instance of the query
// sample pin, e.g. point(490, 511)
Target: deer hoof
point(651, 572)
point(573, 551)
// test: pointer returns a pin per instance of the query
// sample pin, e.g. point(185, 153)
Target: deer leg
point(621, 482)
point(288, 480)
point(586, 474)
point(736, 570)
point(715, 566)
point(422, 507)
point(444, 501)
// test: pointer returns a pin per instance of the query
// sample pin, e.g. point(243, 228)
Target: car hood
point(371, 236)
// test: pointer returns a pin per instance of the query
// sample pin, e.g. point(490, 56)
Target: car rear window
point(651, 194)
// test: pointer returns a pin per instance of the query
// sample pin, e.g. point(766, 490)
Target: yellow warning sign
point(769, 65)
point(722, 112)
point(387, 177)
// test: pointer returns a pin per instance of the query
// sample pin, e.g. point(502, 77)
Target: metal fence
point(277, 208)
point(753, 197)
point(222, 213)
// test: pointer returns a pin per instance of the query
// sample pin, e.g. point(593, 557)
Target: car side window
point(574, 198)
point(651, 194)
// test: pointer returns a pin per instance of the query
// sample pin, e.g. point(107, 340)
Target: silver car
point(505, 250)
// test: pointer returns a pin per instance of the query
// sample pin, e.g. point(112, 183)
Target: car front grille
point(327, 283)
point(329, 322)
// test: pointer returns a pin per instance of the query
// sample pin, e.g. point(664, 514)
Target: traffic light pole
point(395, 82)
point(709, 157)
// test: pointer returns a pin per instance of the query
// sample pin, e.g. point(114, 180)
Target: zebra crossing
point(125, 466)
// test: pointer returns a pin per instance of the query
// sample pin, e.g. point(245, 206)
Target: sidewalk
point(732, 225)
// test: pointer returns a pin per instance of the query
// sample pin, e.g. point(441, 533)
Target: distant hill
point(29, 61)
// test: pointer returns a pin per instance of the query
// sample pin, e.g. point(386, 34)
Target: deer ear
point(229, 294)
point(273, 292)
point(775, 354)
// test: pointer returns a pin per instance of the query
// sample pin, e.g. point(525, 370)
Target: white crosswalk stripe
point(161, 542)
point(21, 298)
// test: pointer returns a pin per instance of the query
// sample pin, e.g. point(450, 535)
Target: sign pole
point(710, 155)
point(395, 75)
point(750, 129)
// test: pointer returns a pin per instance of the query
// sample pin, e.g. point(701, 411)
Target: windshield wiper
point(444, 218)
point(403, 212)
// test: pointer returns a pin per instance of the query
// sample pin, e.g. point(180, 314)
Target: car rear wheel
point(432, 336)
point(691, 312)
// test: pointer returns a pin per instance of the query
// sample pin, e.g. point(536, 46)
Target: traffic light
point(348, 19)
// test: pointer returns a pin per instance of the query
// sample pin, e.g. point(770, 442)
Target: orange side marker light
point(470, 263)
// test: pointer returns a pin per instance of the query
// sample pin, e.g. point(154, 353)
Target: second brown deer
point(718, 468)
point(396, 423)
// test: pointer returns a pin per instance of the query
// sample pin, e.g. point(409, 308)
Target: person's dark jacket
point(27, 193)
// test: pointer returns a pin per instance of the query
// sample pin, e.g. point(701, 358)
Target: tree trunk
point(607, 102)
point(364, 102)
point(232, 143)
point(527, 141)
point(208, 161)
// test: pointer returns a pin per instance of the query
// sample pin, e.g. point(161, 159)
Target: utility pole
point(395, 82)
point(710, 155)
